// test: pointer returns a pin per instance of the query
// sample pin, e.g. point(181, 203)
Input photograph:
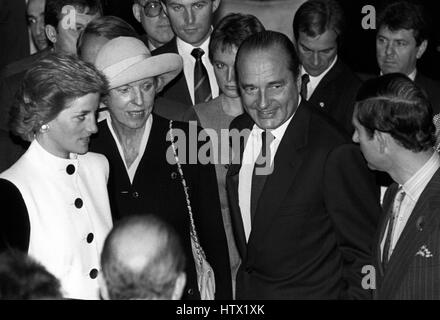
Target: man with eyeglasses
point(157, 27)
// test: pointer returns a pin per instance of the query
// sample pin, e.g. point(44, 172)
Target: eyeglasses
point(152, 9)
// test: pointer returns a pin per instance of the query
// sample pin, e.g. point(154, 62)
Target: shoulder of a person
point(97, 160)
point(347, 74)
point(424, 80)
point(21, 66)
point(322, 126)
point(365, 76)
point(169, 47)
point(243, 121)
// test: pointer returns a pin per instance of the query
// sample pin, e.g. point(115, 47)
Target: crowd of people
point(108, 191)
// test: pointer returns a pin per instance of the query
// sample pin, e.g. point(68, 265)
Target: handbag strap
point(194, 237)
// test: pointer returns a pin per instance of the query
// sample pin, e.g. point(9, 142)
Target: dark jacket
point(316, 218)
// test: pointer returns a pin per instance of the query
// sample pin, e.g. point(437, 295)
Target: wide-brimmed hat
point(126, 59)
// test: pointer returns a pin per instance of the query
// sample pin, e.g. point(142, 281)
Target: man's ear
point(103, 287)
point(137, 11)
point(383, 140)
point(422, 48)
point(215, 5)
point(51, 33)
point(179, 286)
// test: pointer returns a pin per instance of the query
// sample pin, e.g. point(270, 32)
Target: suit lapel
point(414, 235)
point(288, 159)
point(180, 80)
point(320, 91)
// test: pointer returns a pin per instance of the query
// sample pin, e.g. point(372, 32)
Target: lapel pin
point(420, 224)
point(321, 104)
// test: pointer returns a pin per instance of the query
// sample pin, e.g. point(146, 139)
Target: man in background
point(64, 20)
point(327, 83)
point(191, 21)
point(401, 40)
point(23, 278)
point(35, 17)
point(142, 259)
point(154, 21)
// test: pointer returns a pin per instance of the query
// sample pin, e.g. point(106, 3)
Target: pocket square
point(424, 252)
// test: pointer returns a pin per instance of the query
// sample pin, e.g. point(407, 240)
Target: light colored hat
point(126, 59)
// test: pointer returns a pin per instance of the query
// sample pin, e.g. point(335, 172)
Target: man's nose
point(231, 75)
point(262, 100)
point(389, 49)
point(316, 59)
point(189, 16)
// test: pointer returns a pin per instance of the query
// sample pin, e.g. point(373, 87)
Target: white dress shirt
point(413, 188)
point(189, 62)
point(131, 171)
point(314, 81)
point(250, 155)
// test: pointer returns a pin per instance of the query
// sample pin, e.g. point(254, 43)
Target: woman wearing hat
point(136, 143)
point(54, 198)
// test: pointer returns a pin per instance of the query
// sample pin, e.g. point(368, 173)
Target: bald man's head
point(142, 259)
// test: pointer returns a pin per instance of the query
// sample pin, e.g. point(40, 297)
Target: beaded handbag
point(205, 273)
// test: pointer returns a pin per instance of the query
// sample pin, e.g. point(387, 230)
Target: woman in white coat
point(54, 202)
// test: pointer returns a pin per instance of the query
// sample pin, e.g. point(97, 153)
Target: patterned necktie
point(262, 169)
point(305, 79)
point(395, 212)
point(202, 88)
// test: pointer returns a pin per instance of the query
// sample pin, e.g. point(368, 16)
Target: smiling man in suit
point(305, 220)
point(393, 125)
point(191, 21)
point(327, 83)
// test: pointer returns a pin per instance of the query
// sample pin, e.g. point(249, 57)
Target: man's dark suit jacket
point(177, 89)
point(410, 275)
point(157, 189)
point(432, 89)
point(316, 218)
point(336, 94)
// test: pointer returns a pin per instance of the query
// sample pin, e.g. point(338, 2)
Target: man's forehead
point(385, 31)
point(35, 6)
point(271, 55)
point(83, 12)
point(323, 41)
point(144, 2)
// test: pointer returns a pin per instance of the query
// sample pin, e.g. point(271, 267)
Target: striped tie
point(202, 89)
point(386, 252)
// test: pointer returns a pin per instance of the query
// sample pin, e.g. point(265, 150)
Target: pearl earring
point(44, 128)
